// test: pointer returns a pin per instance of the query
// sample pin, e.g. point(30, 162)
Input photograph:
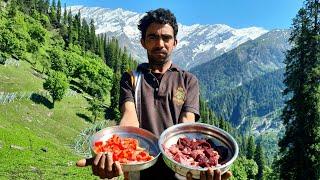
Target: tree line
point(66, 49)
point(251, 163)
point(300, 146)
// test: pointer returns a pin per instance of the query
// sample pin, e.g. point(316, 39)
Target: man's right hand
point(102, 165)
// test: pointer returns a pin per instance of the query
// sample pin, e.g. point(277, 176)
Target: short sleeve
point(126, 90)
point(191, 103)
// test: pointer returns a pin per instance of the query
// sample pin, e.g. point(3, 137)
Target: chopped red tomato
point(98, 143)
point(123, 150)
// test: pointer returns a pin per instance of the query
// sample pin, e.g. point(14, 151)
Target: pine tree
point(40, 6)
point(59, 13)
point(107, 53)
point(46, 6)
point(12, 9)
point(92, 36)
point(69, 29)
point(300, 146)
point(115, 113)
point(111, 54)
point(85, 33)
point(260, 160)
point(69, 18)
point(65, 15)
point(53, 14)
point(24, 6)
point(100, 47)
point(76, 29)
point(124, 61)
point(250, 152)
point(250, 148)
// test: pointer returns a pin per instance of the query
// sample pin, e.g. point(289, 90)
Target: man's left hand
point(211, 175)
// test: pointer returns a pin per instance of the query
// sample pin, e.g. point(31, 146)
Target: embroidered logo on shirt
point(179, 96)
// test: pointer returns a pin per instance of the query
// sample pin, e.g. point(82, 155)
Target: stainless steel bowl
point(146, 140)
point(198, 131)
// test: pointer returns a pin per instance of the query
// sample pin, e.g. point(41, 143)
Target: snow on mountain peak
point(240, 36)
point(251, 32)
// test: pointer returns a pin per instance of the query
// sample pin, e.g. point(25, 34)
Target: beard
point(156, 60)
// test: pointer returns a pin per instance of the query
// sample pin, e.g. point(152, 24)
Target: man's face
point(159, 43)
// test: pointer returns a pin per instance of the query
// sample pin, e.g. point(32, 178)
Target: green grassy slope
point(45, 134)
point(19, 78)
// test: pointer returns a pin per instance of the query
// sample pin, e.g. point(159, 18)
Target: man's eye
point(167, 38)
point(151, 38)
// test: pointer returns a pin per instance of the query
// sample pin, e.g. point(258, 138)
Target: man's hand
point(102, 166)
point(187, 117)
point(211, 175)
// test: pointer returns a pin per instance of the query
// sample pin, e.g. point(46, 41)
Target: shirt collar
point(144, 67)
point(174, 67)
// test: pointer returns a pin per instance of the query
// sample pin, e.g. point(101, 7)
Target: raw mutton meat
point(193, 152)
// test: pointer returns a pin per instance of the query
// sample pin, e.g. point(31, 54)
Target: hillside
point(55, 86)
point(246, 82)
point(37, 141)
point(246, 62)
point(256, 98)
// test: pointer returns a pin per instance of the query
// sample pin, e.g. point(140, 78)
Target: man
point(167, 95)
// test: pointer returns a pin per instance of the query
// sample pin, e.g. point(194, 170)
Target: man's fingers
point(95, 165)
point(210, 173)
point(126, 175)
point(97, 159)
point(226, 175)
point(102, 162)
point(217, 175)
point(101, 167)
point(203, 175)
point(108, 166)
point(109, 161)
point(84, 162)
point(117, 168)
point(189, 175)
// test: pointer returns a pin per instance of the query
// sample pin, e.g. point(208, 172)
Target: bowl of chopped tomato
point(194, 147)
point(135, 148)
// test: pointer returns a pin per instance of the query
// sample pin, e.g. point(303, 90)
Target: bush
point(57, 84)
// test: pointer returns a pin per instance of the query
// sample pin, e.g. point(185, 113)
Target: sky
point(268, 14)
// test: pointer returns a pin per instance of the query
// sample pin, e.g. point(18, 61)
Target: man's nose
point(160, 42)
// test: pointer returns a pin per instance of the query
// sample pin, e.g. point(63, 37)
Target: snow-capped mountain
point(196, 43)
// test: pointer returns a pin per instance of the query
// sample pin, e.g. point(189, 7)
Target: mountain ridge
point(196, 43)
point(246, 82)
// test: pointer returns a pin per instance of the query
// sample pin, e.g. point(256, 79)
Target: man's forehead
point(157, 28)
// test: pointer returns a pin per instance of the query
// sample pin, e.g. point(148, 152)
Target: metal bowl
point(198, 131)
point(146, 140)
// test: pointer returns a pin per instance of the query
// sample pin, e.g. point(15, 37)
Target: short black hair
point(161, 16)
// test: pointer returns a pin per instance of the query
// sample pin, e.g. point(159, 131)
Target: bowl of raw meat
point(135, 148)
point(194, 147)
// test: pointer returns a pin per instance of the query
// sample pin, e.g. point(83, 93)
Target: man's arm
point(129, 115)
point(187, 117)
point(190, 108)
point(126, 102)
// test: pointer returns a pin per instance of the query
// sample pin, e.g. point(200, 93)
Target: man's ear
point(175, 42)
point(143, 43)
